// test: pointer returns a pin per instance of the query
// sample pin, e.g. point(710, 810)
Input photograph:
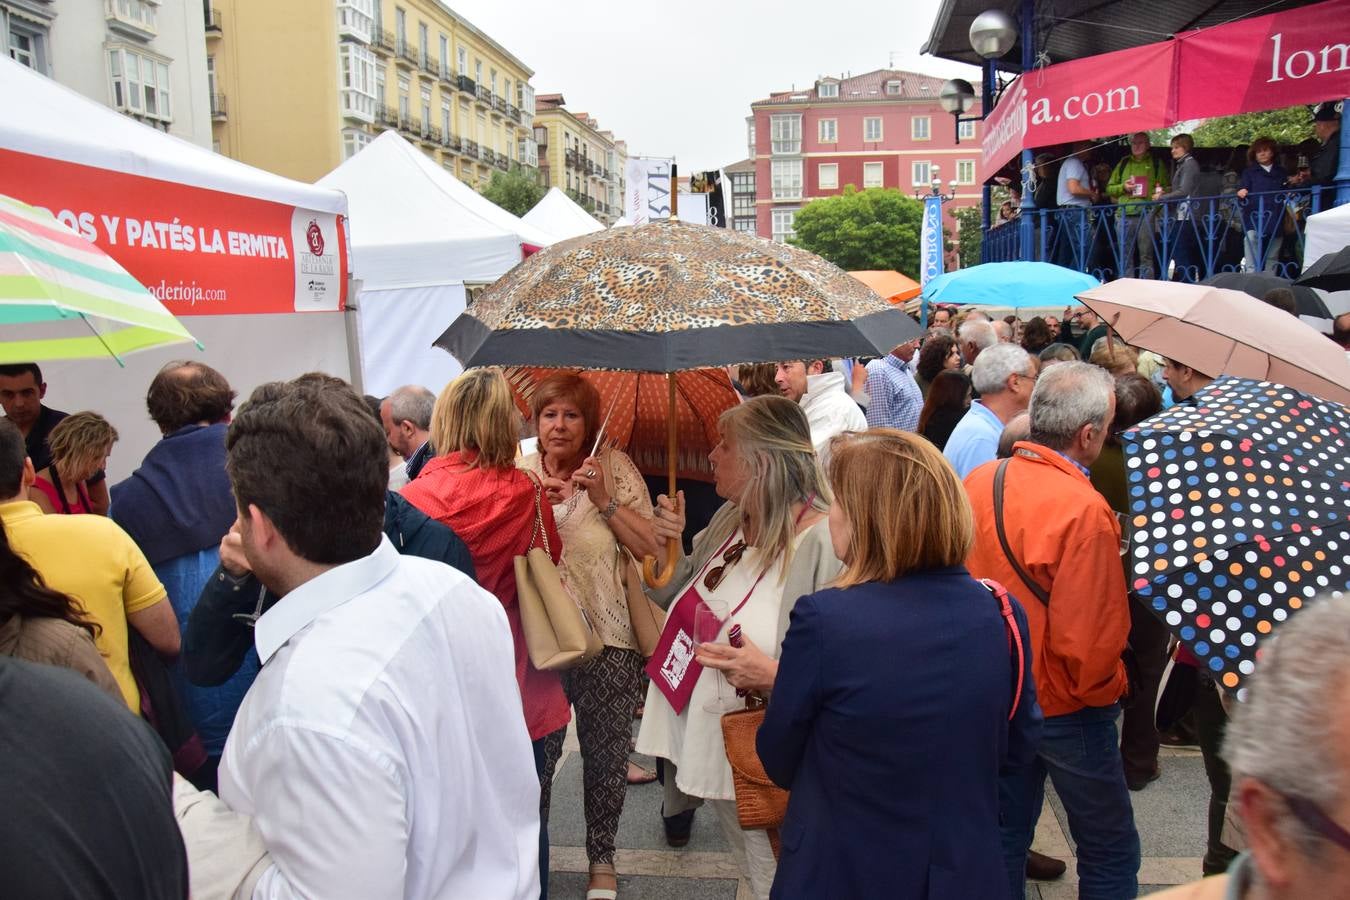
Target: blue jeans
point(1079, 754)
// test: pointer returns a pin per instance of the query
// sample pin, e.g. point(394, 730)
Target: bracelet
point(608, 512)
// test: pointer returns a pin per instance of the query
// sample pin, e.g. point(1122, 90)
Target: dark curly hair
point(933, 355)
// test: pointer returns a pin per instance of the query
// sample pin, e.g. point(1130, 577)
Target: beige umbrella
point(1222, 332)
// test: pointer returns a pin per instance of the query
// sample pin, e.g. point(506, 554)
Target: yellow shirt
point(94, 561)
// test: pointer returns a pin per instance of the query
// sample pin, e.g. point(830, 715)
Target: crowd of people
point(297, 664)
point(1149, 214)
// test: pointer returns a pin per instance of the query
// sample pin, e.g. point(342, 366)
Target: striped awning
point(61, 297)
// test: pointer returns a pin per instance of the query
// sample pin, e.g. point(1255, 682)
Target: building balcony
point(132, 18)
point(407, 55)
point(431, 134)
point(1102, 240)
point(219, 109)
point(503, 162)
point(571, 159)
point(386, 116)
point(451, 141)
point(448, 77)
point(513, 113)
point(410, 126)
point(499, 103)
point(483, 95)
point(466, 84)
point(431, 66)
point(215, 25)
point(383, 42)
point(470, 148)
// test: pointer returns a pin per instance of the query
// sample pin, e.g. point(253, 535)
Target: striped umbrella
point(61, 297)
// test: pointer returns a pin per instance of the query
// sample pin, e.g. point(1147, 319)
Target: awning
point(1266, 62)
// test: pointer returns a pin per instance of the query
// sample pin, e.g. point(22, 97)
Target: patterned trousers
point(604, 692)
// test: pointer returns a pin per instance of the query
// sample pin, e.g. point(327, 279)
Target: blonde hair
point(904, 504)
point(476, 412)
point(771, 436)
point(81, 440)
point(1115, 358)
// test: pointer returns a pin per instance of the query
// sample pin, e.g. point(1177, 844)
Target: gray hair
point(1003, 331)
point(412, 403)
point(1285, 733)
point(994, 366)
point(1068, 396)
point(978, 332)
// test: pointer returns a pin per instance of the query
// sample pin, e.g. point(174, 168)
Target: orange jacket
point(1065, 537)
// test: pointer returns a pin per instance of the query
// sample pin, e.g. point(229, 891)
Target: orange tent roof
point(890, 284)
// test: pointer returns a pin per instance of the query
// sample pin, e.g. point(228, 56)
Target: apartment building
point(576, 156)
point(299, 86)
point(145, 58)
point(882, 129)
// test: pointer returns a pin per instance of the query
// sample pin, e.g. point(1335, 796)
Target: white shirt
point(1072, 168)
point(829, 410)
point(382, 750)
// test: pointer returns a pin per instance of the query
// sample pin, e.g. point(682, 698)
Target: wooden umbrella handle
point(649, 573)
point(649, 564)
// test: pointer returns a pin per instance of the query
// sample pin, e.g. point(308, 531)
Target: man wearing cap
point(1326, 159)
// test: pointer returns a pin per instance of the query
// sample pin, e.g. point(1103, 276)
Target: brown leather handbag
point(759, 802)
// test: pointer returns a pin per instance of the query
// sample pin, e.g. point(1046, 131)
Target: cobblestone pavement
point(1170, 814)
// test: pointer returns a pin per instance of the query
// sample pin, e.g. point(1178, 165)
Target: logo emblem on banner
point(314, 235)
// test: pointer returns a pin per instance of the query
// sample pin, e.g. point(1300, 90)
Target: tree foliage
point(1288, 126)
point(515, 192)
point(873, 229)
point(970, 236)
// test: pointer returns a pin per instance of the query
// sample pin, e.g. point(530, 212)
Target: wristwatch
point(608, 512)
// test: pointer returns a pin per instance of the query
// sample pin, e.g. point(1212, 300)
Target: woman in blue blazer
point(893, 710)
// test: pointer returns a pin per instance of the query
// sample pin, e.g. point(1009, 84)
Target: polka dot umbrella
point(1239, 515)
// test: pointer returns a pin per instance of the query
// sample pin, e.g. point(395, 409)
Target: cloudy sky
point(677, 79)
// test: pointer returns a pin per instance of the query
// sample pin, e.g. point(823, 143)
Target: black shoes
point(1044, 868)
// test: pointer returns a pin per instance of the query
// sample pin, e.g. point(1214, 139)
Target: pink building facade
point(880, 129)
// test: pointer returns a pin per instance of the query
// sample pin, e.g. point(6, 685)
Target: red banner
point(201, 252)
point(1269, 62)
point(1115, 93)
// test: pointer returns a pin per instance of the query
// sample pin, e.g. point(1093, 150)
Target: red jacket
point(1065, 537)
point(492, 510)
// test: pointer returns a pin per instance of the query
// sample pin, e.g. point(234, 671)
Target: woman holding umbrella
point(768, 545)
point(603, 512)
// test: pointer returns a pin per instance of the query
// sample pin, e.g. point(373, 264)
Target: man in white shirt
point(382, 750)
point(823, 397)
point(1074, 194)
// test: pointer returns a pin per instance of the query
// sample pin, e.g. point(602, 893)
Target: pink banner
point(1269, 62)
point(1115, 93)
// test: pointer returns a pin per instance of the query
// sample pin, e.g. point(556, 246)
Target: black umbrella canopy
point(1306, 300)
point(1330, 273)
point(669, 296)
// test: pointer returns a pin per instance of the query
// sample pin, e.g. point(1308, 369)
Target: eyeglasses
point(729, 559)
point(1031, 378)
point(1311, 815)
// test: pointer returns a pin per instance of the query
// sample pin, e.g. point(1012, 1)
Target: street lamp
point(993, 33)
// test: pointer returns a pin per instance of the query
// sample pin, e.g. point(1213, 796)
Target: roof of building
point(868, 86)
point(1090, 27)
point(745, 165)
point(469, 26)
point(549, 100)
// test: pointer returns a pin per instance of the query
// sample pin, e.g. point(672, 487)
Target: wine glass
point(709, 618)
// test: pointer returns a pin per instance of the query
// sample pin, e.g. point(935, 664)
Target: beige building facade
point(298, 87)
point(577, 157)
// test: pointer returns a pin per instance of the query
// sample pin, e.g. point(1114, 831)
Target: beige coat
point(56, 642)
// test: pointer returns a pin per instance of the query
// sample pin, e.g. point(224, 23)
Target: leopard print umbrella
point(669, 296)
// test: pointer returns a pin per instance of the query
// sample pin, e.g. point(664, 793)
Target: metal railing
point(219, 109)
point(383, 42)
point(483, 95)
point(431, 66)
point(470, 148)
point(431, 134)
point(1182, 240)
point(503, 162)
point(451, 141)
point(407, 54)
point(466, 84)
point(386, 115)
point(215, 24)
point(512, 112)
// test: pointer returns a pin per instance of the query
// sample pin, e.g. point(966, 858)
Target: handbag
point(644, 616)
point(1127, 657)
point(759, 802)
point(558, 634)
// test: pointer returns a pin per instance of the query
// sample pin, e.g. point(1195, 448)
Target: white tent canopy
point(558, 214)
point(418, 234)
point(99, 151)
point(414, 224)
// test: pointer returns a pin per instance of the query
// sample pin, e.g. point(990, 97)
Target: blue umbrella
point(1013, 284)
